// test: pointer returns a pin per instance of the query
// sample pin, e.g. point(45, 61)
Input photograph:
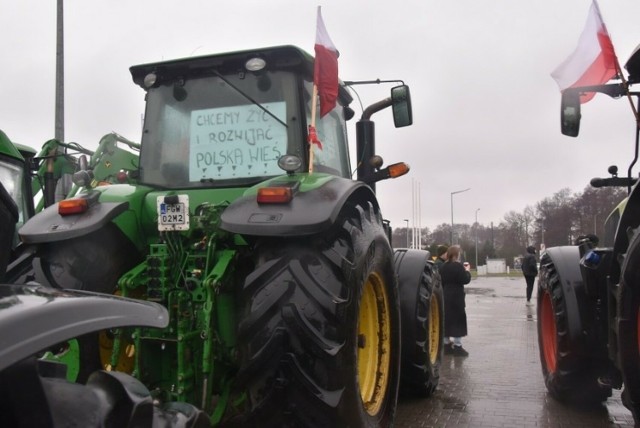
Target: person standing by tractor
point(454, 277)
point(441, 255)
point(530, 270)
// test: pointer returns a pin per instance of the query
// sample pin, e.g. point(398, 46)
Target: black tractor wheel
point(422, 311)
point(319, 339)
point(94, 262)
point(629, 326)
point(570, 373)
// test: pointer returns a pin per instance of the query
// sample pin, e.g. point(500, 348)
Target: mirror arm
point(614, 90)
point(381, 174)
point(376, 107)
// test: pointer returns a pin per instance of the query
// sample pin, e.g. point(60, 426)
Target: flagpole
point(314, 100)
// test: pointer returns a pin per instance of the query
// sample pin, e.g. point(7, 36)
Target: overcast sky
point(486, 111)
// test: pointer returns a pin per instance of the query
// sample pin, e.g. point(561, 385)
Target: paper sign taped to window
point(237, 142)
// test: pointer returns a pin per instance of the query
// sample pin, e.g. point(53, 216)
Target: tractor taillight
point(275, 195)
point(73, 206)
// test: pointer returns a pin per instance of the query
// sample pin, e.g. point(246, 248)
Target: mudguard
point(313, 209)
point(579, 307)
point(34, 317)
point(409, 265)
point(630, 218)
point(35, 392)
point(49, 226)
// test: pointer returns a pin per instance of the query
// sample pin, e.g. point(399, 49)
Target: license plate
point(173, 216)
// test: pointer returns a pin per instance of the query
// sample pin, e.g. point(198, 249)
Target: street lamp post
point(477, 238)
point(407, 221)
point(455, 193)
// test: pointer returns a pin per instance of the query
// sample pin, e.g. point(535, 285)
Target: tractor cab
point(225, 120)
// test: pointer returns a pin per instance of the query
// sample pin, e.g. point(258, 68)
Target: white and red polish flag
point(593, 62)
point(325, 73)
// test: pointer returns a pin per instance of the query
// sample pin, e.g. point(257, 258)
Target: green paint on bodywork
point(69, 356)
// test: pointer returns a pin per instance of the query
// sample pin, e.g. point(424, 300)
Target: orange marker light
point(274, 195)
point(73, 206)
point(398, 169)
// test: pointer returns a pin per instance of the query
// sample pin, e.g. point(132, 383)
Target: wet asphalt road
point(500, 384)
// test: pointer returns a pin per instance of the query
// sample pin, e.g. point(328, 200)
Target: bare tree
point(558, 214)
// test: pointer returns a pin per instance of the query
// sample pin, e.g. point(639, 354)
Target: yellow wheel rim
point(126, 357)
point(374, 344)
point(434, 330)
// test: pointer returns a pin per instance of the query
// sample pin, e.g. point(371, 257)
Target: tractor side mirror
point(570, 113)
point(401, 104)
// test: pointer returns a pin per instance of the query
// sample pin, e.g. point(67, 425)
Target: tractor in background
point(589, 294)
point(285, 297)
point(59, 170)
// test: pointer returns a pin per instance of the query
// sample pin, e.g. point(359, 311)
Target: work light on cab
point(255, 64)
point(289, 163)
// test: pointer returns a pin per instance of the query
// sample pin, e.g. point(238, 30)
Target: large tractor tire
point(319, 338)
point(422, 311)
point(629, 326)
point(94, 262)
point(570, 368)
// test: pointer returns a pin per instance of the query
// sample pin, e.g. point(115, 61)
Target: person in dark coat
point(454, 277)
point(441, 253)
point(530, 270)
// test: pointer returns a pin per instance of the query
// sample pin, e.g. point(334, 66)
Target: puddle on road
point(490, 292)
point(481, 291)
point(453, 403)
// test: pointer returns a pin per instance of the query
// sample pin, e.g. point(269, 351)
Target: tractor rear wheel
point(422, 309)
point(94, 262)
point(569, 374)
point(629, 326)
point(319, 337)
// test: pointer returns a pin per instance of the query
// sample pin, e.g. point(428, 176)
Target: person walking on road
point(454, 277)
point(530, 270)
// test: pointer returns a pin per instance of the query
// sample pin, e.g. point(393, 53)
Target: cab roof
point(281, 57)
point(286, 57)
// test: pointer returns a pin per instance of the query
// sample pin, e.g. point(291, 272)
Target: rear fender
point(313, 209)
point(49, 226)
point(409, 264)
point(630, 218)
point(580, 308)
point(34, 317)
point(121, 204)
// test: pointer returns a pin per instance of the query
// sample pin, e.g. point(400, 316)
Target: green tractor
point(15, 206)
point(589, 294)
point(59, 170)
point(288, 306)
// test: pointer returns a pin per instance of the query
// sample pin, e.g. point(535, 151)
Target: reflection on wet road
point(500, 384)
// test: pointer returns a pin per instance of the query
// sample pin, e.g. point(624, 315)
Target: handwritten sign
point(237, 142)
